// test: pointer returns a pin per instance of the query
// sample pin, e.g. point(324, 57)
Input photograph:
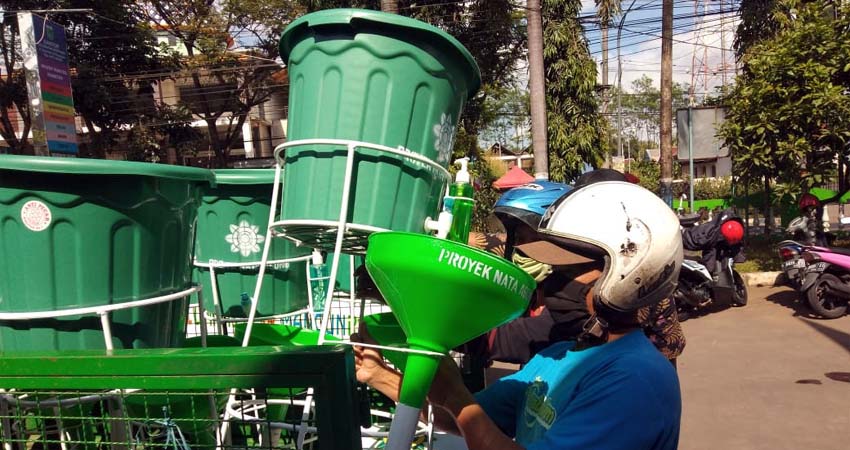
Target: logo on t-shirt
point(538, 408)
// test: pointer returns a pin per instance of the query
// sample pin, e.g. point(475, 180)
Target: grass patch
point(761, 254)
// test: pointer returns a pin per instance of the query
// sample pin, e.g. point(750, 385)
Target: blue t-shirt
point(620, 395)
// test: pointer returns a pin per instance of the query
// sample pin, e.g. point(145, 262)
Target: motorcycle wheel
point(822, 302)
point(741, 295)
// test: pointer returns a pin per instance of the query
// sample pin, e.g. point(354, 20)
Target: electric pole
point(666, 126)
point(605, 86)
point(390, 6)
point(537, 88)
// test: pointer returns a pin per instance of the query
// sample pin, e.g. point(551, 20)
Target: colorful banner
point(45, 52)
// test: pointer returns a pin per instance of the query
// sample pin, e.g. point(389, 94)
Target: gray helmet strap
point(594, 332)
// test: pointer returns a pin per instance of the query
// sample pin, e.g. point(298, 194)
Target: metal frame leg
point(218, 312)
point(6, 424)
point(202, 318)
point(107, 329)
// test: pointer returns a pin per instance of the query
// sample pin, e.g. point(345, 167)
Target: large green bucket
point(78, 233)
point(232, 224)
point(378, 78)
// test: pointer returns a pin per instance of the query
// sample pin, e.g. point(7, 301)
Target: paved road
point(766, 377)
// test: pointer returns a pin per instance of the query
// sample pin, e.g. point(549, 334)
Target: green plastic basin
point(273, 334)
point(232, 223)
point(379, 78)
point(79, 233)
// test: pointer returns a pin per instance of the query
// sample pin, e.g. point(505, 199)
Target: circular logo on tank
point(36, 215)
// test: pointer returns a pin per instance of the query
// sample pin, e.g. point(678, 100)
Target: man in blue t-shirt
point(609, 390)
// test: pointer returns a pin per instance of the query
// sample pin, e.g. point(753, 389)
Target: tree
point(116, 62)
point(102, 49)
point(230, 49)
point(577, 132)
point(760, 20)
point(789, 115)
point(640, 108)
point(14, 103)
point(505, 117)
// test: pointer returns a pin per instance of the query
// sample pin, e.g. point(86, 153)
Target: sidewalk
point(766, 377)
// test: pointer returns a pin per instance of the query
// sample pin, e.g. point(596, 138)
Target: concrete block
point(757, 279)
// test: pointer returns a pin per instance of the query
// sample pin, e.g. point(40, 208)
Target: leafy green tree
point(760, 20)
point(220, 84)
point(576, 130)
point(104, 48)
point(790, 110)
point(789, 114)
point(647, 171)
point(506, 117)
point(640, 106)
point(116, 62)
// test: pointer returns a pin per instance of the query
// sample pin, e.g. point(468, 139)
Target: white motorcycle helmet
point(626, 226)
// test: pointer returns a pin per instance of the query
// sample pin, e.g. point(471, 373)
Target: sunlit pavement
point(766, 376)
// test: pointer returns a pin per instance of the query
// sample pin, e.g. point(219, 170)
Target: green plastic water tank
point(379, 78)
point(232, 224)
point(78, 233)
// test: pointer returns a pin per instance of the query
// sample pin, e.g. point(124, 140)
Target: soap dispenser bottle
point(461, 194)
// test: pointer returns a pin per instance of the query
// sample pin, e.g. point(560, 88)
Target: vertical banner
point(45, 53)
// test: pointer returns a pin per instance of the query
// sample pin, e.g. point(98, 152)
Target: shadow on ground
point(839, 337)
point(687, 314)
point(794, 301)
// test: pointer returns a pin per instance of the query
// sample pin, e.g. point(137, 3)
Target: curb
point(759, 279)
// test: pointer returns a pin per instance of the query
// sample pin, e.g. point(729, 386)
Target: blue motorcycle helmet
point(526, 204)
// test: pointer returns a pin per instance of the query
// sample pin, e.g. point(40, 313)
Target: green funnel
point(443, 294)
point(386, 331)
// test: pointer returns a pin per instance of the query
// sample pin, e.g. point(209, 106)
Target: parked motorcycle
point(713, 279)
point(826, 280)
point(805, 231)
point(793, 264)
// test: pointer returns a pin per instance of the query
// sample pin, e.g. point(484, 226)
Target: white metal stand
point(338, 236)
point(218, 312)
point(101, 310)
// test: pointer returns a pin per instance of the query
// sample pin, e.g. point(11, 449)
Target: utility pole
point(390, 6)
point(537, 88)
point(605, 100)
point(666, 126)
point(620, 80)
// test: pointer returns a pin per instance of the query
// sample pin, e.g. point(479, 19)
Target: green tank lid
point(244, 176)
point(82, 166)
point(365, 20)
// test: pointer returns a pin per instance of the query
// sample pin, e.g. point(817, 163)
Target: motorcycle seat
point(840, 250)
point(689, 220)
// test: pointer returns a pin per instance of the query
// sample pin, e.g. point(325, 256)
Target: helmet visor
point(557, 255)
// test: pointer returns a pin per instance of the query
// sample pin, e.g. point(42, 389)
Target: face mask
point(536, 269)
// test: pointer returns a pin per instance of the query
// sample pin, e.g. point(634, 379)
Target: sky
point(641, 45)
point(641, 41)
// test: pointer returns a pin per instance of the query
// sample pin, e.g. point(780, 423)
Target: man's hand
point(447, 386)
point(369, 364)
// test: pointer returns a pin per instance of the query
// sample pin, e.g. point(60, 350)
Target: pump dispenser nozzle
point(462, 175)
